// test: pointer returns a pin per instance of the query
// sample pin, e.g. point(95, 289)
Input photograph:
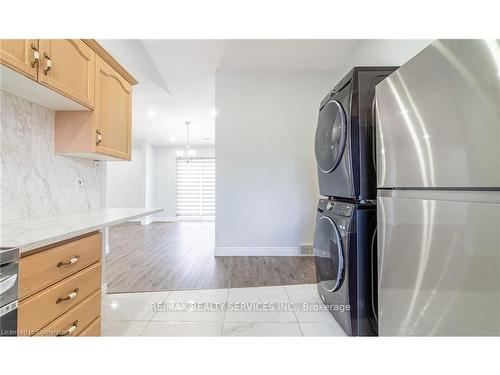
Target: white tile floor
point(131, 314)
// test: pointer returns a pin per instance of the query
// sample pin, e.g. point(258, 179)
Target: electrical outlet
point(79, 185)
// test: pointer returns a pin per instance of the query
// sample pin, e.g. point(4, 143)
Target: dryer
point(345, 252)
point(345, 136)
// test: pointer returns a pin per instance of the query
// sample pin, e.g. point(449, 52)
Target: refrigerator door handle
point(374, 282)
point(374, 138)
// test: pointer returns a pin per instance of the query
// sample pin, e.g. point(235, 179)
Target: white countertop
point(34, 233)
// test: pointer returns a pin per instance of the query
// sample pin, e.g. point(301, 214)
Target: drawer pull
point(70, 330)
point(69, 297)
point(73, 260)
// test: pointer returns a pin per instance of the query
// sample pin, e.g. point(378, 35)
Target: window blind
point(195, 187)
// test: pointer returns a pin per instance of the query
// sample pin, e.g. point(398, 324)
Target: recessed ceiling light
point(151, 113)
point(213, 112)
point(172, 139)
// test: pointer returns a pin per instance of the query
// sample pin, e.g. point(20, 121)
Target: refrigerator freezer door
point(438, 118)
point(439, 265)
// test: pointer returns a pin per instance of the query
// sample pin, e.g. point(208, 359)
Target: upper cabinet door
point(68, 66)
point(113, 110)
point(20, 55)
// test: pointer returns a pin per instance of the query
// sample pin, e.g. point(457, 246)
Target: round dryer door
point(329, 254)
point(330, 136)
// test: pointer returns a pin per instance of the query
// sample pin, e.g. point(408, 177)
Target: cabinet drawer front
point(75, 320)
point(37, 311)
point(38, 271)
point(93, 330)
point(68, 66)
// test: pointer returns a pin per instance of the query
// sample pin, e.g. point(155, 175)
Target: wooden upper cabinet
point(20, 55)
point(68, 67)
point(113, 104)
point(90, 91)
point(104, 133)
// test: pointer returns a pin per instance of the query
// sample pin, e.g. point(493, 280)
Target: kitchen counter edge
point(31, 234)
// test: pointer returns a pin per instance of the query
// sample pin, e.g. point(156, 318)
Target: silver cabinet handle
point(69, 262)
point(70, 330)
point(69, 297)
point(48, 62)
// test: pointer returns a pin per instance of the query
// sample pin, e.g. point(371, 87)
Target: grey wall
point(35, 182)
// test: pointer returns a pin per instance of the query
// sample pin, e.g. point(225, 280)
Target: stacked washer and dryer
point(345, 243)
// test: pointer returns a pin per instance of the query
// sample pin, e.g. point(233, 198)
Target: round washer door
point(330, 136)
point(329, 254)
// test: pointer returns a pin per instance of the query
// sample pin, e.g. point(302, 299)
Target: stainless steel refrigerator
point(438, 179)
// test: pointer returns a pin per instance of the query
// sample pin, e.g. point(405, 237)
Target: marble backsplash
point(35, 182)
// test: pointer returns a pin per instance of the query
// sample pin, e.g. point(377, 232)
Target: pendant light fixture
point(187, 153)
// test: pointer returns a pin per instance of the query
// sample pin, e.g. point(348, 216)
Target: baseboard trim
point(147, 220)
point(257, 251)
point(164, 219)
point(160, 219)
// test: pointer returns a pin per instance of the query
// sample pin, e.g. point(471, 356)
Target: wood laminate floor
point(180, 256)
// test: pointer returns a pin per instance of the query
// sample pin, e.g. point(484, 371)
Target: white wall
point(149, 177)
point(131, 183)
point(165, 178)
point(136, 59)
point(164, 190)
point(389, 52)
point(125, 185)
point(266, 182)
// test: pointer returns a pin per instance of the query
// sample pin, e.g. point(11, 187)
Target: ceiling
point(188, 68)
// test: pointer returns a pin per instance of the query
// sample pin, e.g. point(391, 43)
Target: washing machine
point(345, 136)
point(345, 253)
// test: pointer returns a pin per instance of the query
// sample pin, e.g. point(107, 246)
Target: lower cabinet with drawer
point(93, 330)
point(60, 289)
point(76, 320)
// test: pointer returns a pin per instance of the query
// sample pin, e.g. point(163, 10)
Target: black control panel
point(342, 209)
point(337, 208)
